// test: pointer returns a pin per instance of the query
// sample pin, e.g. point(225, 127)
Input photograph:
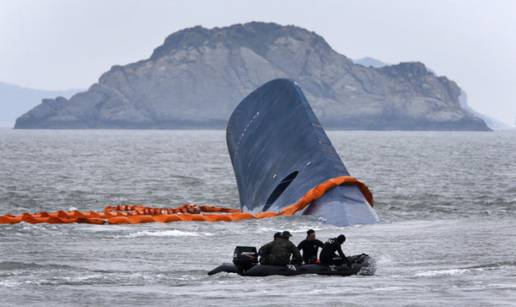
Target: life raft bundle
point(137, 214)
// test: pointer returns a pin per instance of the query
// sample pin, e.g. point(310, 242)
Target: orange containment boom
point(137, 214)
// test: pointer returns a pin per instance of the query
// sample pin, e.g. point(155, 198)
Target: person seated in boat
point(264, 251)
point(279, 251)
point(310, 247)
point(332, 254)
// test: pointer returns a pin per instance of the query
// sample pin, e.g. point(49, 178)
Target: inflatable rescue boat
point(245, 264)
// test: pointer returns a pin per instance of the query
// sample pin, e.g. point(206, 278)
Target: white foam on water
point(384, 260)
point(9, 283)
point(103, 228)
point(449, 272)
point(167, 233)
point(81, 278)
point(394, 288)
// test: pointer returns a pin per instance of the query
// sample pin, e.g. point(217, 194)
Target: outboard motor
point(245, 257)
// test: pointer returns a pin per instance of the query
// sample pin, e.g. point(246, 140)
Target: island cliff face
point(198, 76)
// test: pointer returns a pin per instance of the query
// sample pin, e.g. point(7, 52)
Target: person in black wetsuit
point(331, 253)
point(310, 247)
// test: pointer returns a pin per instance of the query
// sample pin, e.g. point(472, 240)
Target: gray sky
point(51, 44)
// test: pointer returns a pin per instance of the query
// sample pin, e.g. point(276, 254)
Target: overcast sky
point(50, 44)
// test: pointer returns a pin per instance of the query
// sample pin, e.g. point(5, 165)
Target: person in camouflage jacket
point(279, 251)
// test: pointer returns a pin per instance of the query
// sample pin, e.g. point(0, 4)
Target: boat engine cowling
point(245, 257)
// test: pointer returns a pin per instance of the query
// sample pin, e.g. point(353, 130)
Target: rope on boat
point(137, 214)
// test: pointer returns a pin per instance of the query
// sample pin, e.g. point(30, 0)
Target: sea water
point(447, 203)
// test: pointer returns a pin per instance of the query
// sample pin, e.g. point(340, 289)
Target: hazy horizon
point(54, 44)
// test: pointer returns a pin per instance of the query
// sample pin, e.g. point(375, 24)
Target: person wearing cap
point(331, 253)
point(265, 250)
point(279, 251)
point(310, 247)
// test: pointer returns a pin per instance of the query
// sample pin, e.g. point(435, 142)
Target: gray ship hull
point(279, 151)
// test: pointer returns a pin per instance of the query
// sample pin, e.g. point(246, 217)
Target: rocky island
point(198, 76)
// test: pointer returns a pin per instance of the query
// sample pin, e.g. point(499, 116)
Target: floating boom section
point(279, 151)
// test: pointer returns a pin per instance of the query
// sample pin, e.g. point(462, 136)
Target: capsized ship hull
point(279, 151)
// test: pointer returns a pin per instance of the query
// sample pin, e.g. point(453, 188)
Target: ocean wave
point(15, 265)
point(494, 265)
point(10, 283)
point(466, 270)
point(298, 229)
